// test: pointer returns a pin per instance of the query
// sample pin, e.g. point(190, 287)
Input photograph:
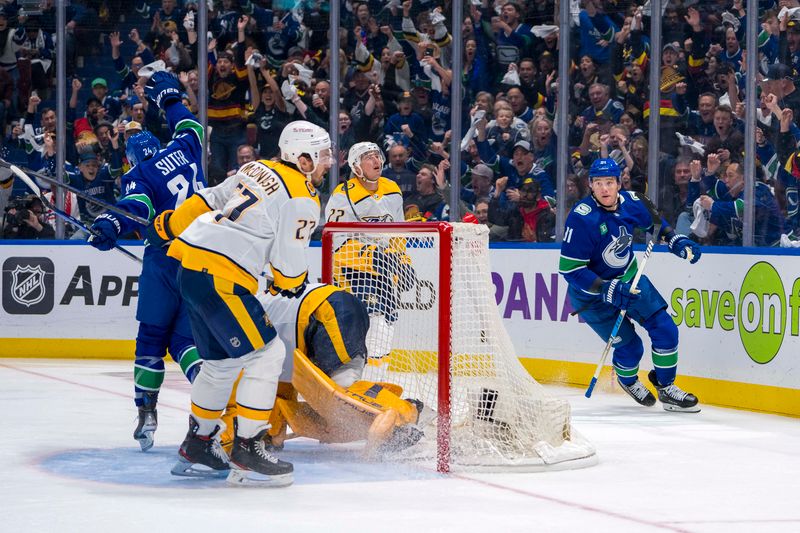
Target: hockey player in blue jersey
point(598, 263)
point(159, 180)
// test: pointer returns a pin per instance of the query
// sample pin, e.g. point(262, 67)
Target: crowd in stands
point(269, 64)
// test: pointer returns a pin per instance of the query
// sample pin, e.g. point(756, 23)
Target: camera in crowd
point(18, 209)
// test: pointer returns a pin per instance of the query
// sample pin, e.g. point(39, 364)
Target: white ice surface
point(69, 464)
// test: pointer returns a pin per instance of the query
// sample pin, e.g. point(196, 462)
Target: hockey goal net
point(435, 331)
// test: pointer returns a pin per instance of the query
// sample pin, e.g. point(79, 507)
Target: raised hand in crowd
point(33, 102)
point(133, 35)
point(713, 162)
point(114, 39)
point(696, 170)
point(787, 117)
point(500, 185)
point(692, 18)
point(681, 87)
point(441, 173)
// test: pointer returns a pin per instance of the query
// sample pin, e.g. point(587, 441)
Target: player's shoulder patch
point(583, 209)
point(633, 196)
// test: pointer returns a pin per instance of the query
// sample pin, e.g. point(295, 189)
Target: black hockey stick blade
point(72, 220)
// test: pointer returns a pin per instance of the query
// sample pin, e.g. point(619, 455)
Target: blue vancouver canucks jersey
point(174, 174)
point(599, 243)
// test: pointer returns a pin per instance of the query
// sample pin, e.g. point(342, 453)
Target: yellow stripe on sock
point(207, 414)
point(261, 415)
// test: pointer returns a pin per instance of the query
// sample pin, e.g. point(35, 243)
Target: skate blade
point(185, 468)
point(248, 478)
point(676, 409)
point(146, 440)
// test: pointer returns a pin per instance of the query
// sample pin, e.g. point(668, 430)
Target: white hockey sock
point(255, 396)
point(211, 390)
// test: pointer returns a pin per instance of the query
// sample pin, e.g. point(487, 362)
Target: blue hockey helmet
point(604, 168)
point(141, 146)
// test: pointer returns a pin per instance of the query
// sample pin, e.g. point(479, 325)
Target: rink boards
point(738, 312)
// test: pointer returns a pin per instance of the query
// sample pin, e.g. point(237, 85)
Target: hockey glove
point(106, 230)
point(618, 293)
point(685, 248)
point(163, 88)
point(158, 233)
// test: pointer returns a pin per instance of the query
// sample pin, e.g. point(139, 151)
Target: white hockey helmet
point(302, 137)
point(357, 151)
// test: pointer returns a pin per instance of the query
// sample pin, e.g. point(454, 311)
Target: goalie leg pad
point(384, 398)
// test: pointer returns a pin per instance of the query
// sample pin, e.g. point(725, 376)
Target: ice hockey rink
point(70, 464)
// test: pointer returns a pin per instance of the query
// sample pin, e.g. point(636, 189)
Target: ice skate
point(201, 456)
point(673, 398)
point(254, 465)
point(639, 392)
point(148, 421)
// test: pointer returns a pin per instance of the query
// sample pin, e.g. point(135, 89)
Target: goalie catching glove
point(685, 248)
point(106, 230)
point(163, 88)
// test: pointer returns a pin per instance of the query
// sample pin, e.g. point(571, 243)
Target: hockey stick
point(620, 318)
point(81, 194)
point(72, 220)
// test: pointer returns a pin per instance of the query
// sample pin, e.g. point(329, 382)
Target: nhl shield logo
point(28, 285)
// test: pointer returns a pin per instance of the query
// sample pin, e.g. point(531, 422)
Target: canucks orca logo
point(617, 253)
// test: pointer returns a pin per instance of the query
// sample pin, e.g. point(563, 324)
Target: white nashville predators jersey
point(351, 202)
point(263, 216)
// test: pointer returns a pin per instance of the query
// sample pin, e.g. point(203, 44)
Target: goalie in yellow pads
point(324, 332)
point(376, 272)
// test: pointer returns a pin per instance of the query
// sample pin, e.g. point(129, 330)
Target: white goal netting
point(500, 417)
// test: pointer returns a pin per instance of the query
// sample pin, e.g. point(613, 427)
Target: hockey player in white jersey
point(368, 196)
point(258, 220)
point(324, 332)
point(375, 272)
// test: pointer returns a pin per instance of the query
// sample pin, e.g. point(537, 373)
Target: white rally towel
point(700, 225)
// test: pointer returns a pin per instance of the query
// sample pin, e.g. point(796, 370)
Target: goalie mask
point(357, 152)
point(304, 138)
point(141, 147)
